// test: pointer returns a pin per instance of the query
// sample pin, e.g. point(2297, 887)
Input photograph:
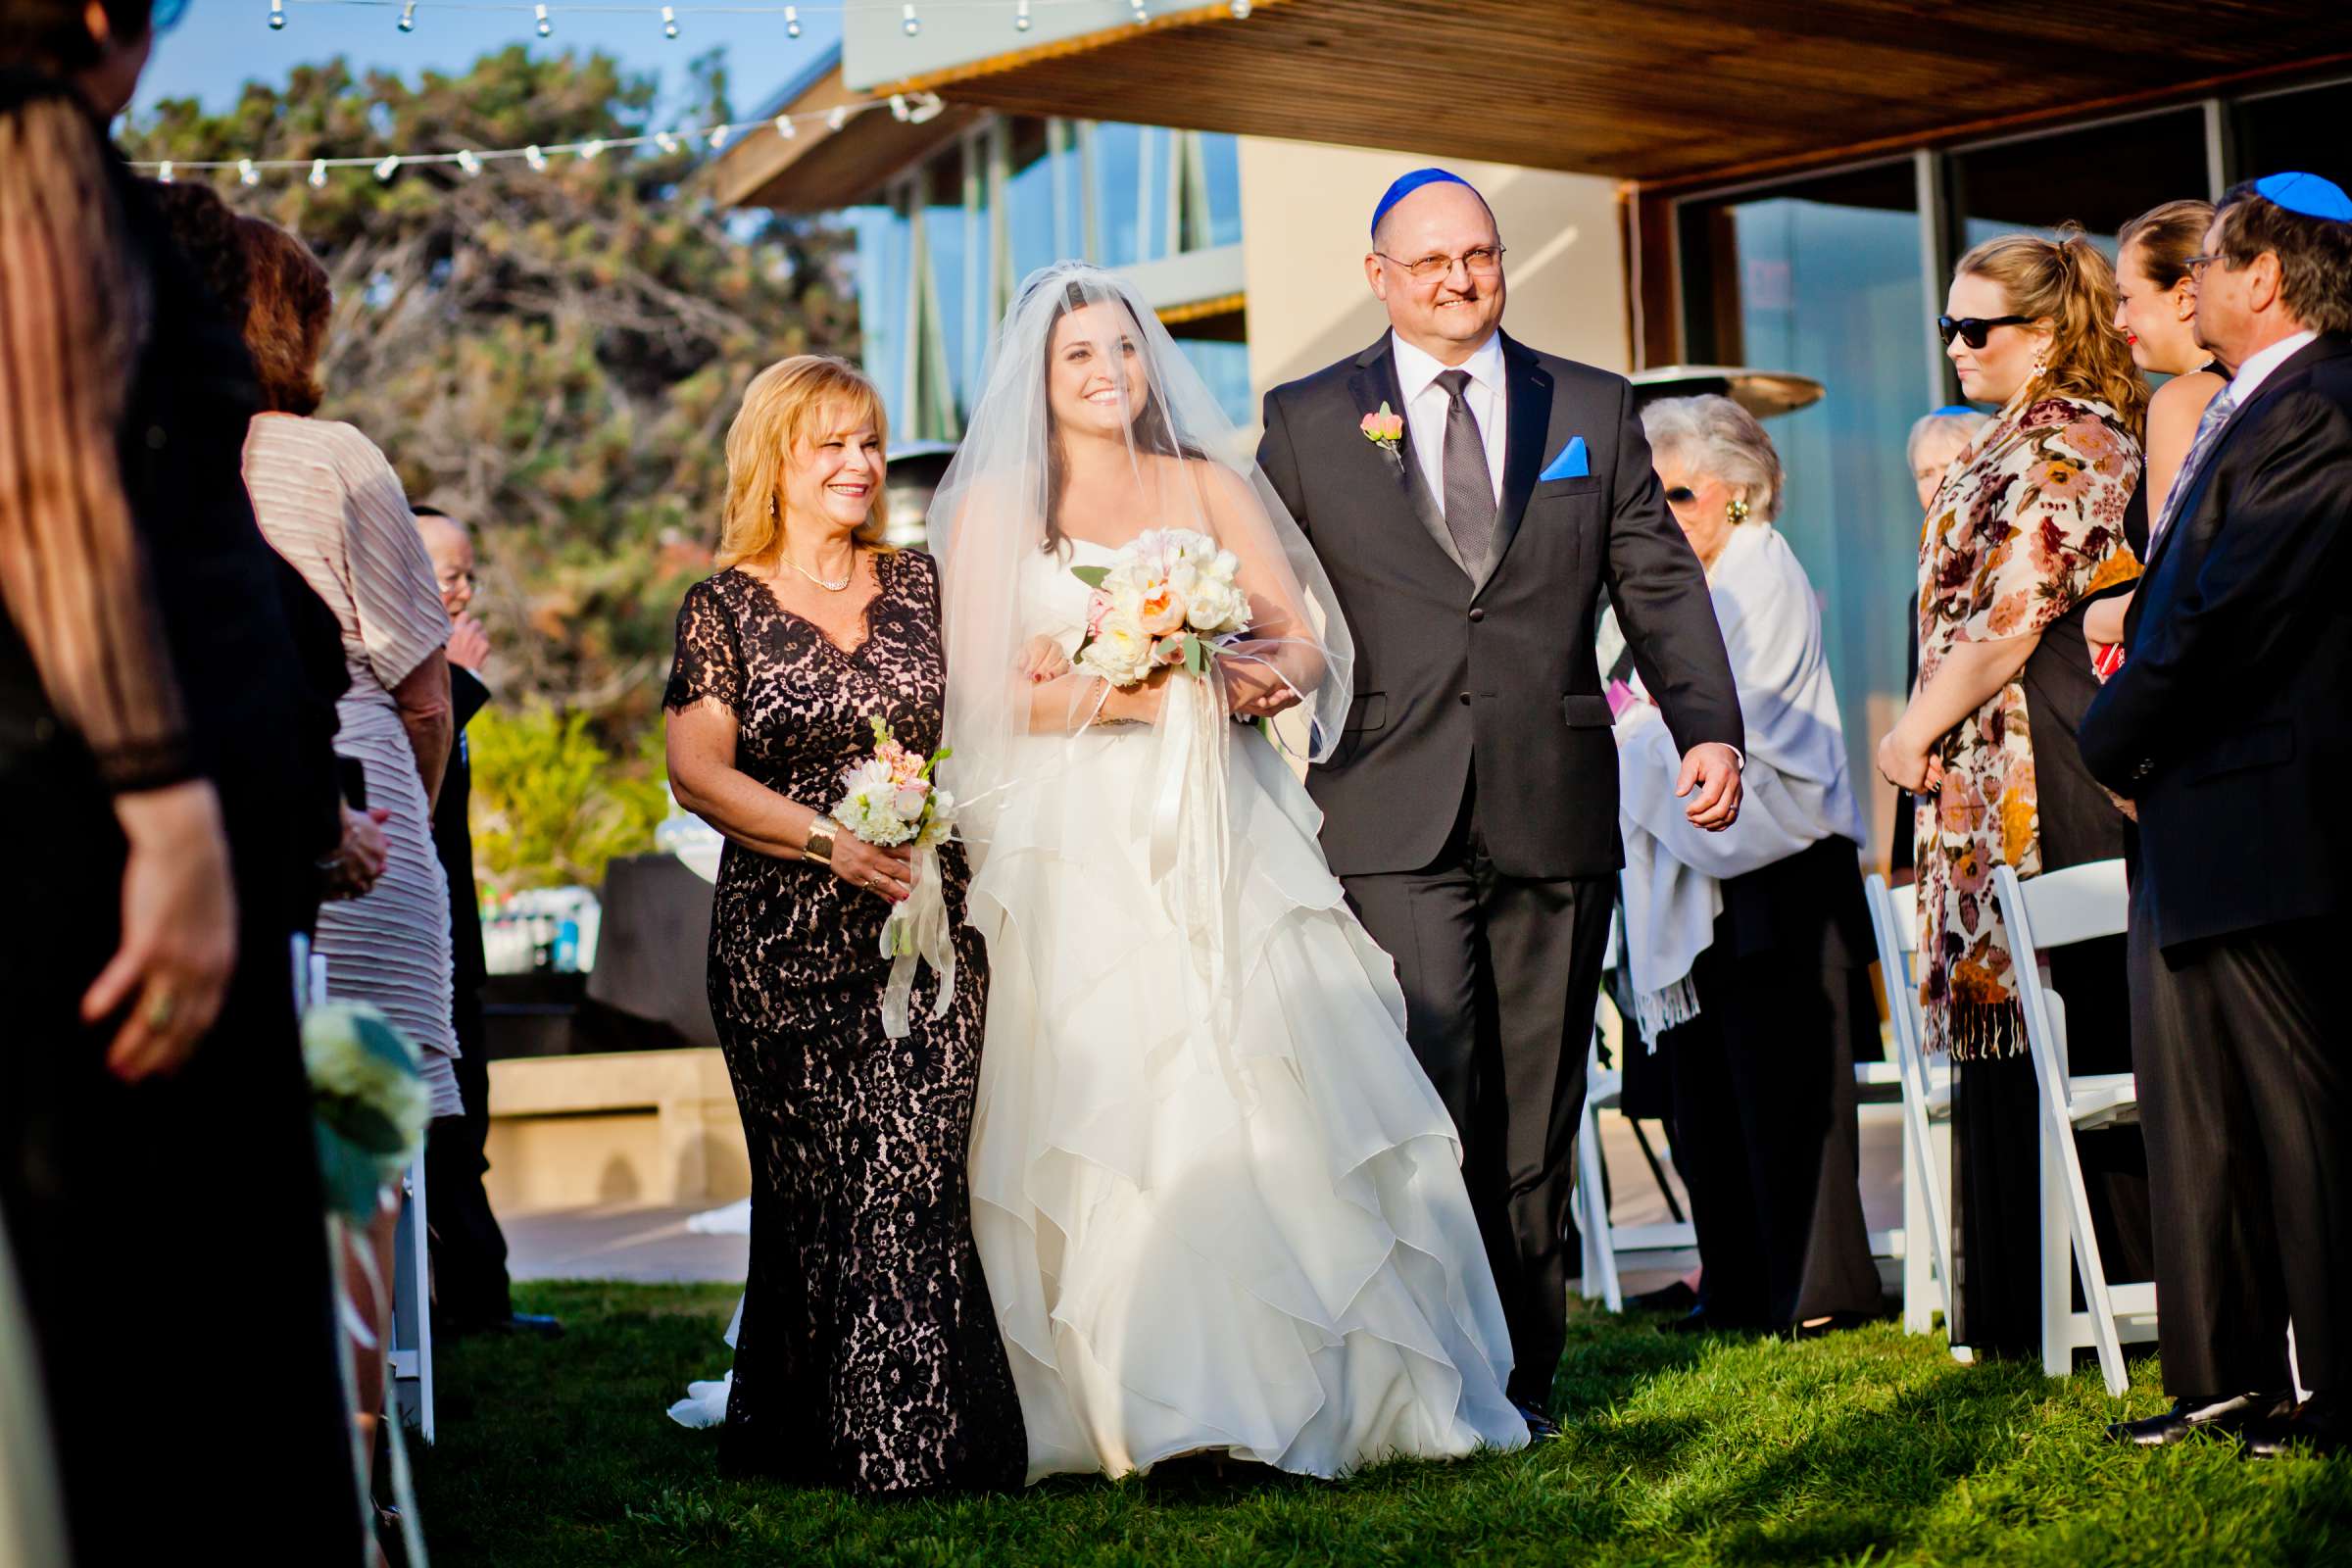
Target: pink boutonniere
point(1384, 429)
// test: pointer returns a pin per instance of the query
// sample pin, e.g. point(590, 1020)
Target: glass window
point(1117, 174)
point(1041, 196)
point(2303, 130)
point(1822, 278)
point(2100, 177)
point(951, 265)
point(882, 314)
point(1221, 167)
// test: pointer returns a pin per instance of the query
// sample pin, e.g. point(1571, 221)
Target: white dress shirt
point(1425, 403)
point(2258, 366)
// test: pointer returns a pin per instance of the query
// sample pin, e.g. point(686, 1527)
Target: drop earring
point(1737, 511)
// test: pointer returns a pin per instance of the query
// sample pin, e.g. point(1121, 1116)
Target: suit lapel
point(1373, 384)
point(2298, 364)
point(1529, 397)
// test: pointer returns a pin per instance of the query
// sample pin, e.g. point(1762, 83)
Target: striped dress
point(333, 507)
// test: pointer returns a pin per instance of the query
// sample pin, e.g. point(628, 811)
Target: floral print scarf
point(2029, 520)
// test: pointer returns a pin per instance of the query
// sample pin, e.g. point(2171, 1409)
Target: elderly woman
point(1750, 950)
point(2027, 525)
point(866, 1356)
point(1935, 439)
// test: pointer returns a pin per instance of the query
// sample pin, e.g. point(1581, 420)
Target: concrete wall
point(651, 1128)
point(1305, 209)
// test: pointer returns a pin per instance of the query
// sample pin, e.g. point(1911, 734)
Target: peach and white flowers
point(1167, 598)
point(1385, 428)
point(891, 798)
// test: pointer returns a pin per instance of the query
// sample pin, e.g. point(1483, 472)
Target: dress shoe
point(1672, 1296)
point(2320, 1427)
point(2230, 1413)
point(1540, 1428)
point(1699, 1320)
point(1834, 1323)
point(538, 1323)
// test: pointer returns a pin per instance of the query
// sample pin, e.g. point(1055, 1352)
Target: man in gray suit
point(1471, 806)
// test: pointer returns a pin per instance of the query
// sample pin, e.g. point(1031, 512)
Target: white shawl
point(1796, 786)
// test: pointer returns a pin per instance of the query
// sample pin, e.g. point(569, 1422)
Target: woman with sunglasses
point(158, 1169)
point(2025, 527)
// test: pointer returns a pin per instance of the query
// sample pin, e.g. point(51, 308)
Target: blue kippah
point(1405, 185)
point(2308, 194)
point(1950, 407)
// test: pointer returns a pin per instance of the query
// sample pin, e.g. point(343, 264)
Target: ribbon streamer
point(918, 933)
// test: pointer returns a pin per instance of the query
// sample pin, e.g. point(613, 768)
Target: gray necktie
point(2200, 447)
point(1469, 482)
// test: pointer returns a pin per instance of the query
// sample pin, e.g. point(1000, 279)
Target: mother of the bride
point(868, 1357)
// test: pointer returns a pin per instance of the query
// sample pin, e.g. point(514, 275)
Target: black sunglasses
point(1975, 329)
point(1681, 494)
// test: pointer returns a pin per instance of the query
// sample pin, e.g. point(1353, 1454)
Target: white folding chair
point(1927, 1097)
point(411, 1359)
point(2057, 910)
point(1605, 1244)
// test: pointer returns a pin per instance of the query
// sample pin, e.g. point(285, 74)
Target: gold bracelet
point(820, 844)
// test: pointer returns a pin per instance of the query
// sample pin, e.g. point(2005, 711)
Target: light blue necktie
point(2209, 432)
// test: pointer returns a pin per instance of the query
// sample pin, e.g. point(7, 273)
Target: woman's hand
point(1043, 660)
point(2103, 622)
point(1141, 703)
point(179, 931)
point(888, 874)
point(360, 859)
point(1907, 765)
point(1254, 687)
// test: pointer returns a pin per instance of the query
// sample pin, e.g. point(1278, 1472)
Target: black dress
point(868, 1356)
point(169, 1234)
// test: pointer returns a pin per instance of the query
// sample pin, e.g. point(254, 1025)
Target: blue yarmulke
point(1405, 185)
point(2309, 194)
point(1950, 407)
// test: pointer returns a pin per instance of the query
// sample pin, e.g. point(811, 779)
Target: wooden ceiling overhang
point(818, 168)
point(1653, 90)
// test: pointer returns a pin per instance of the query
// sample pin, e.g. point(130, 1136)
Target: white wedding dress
point(1244, 1232)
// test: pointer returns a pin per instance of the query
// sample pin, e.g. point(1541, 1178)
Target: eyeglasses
point(1975, 329)
point(1681, 494)
point(2196, 264)
point(1479, 260)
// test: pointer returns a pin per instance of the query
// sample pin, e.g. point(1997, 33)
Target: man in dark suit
point(2231, 726)
point(1471, 806)
point(469, 1251)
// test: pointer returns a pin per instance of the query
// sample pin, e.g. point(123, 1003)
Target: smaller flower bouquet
point(369, 1101)
point(1169, 597)
point(891, 798)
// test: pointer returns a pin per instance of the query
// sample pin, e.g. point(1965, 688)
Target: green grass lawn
point(1865, 1448)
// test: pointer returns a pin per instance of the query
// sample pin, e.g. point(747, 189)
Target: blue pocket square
point(1571, 463)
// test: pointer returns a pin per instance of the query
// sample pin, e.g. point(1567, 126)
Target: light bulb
point(317, 173)
point(791, 21)
point(785, 127)
point(898, 107)
point(1141, 13)
point(1241, 10)
point(389, 167)
point(718, 137)
point(1020, 16)
point(165, 174)
point(669, 21)
point(590, 149)
point(839, 118)
point(545, 26)
point(246, 174)
point(407, 16)
point(912, 24)
point(666, 141)
point(467, 162)
point(277, 16)
point(535, 158)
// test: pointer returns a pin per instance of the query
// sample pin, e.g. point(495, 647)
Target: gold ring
point(160, 1009)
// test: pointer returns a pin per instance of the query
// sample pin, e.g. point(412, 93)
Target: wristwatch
point(820, 841)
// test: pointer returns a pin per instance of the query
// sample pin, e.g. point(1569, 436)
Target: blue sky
point(222, 44)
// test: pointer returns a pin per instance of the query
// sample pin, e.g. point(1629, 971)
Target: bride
point(1219, 1206)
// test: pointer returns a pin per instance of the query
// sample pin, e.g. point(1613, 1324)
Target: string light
point(1020, 16)
point(277, 16)
point(1241, 10)
point(407, 16)
point(545, 26)
point(917, 108)
point(792, 20)
point(1141, 13)
point(909, 20)
point(669, 21)
point(911, 24)
point(166, 175)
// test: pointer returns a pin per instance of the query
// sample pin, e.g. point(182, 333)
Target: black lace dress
point(868, 1356)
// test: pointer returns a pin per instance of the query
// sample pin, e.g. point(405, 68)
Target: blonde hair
point(2068, 283)
point(783, 409)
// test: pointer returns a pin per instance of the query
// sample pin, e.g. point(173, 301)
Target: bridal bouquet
point(891, 798)
point(1168, 598)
